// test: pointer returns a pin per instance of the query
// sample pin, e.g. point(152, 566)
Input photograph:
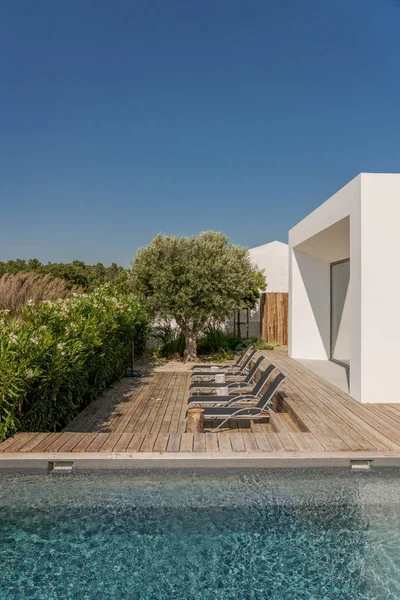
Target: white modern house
point(273, 258)
point(344, 289)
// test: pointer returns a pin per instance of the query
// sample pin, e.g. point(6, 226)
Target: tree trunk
point(190, 354)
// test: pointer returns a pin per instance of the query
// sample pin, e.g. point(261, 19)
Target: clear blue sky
point(121, 119)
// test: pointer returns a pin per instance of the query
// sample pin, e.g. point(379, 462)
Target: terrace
point(145, 418)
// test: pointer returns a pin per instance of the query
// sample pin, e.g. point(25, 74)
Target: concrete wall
point(361, 221)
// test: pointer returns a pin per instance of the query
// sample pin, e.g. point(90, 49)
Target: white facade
point(360, 222)
point(273, 258)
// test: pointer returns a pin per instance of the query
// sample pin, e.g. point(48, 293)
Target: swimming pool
point(280, 534)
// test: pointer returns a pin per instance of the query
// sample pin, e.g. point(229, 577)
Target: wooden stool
point(195, 420)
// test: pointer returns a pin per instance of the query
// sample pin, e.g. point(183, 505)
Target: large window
point(340, 312)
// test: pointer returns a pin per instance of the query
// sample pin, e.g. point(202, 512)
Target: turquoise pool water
point(291, 535)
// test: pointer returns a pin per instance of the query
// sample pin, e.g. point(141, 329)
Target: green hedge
point(61, 355)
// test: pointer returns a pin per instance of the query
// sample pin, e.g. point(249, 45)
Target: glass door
point(340, 312)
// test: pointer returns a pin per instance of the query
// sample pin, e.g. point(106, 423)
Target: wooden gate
point(274, 317)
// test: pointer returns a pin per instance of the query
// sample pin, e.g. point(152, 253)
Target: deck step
point(281, 422)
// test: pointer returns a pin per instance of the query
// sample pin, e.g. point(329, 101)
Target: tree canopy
point(194, 279)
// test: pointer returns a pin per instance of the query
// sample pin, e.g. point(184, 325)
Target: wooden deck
point(147, 415)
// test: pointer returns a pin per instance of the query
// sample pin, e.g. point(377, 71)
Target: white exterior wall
point(309, 311)
point(361, 221)
point(380, 287)
point(273, 258)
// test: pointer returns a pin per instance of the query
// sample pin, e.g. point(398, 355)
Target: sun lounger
point(238, 363)
point(210, 375)
point(237, 396)
point(248, 380)
point(248, 413)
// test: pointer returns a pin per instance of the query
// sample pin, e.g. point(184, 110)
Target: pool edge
point(204, 460)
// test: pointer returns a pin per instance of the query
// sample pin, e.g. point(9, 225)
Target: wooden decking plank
point(292, 426)
point(381, 411)
point(119, 417)
point(45, 442)
point(161, 442)
point(211, 442)
point(136, 442)
point(174, 442)
point(300, 441)
point(179, 403)
point(134, 405)
point(84, 441)
point(151, 401)
point(377, 440)
point(34, 441)
point(349, 408)
point(316, 417)
point(347, 441)
point(4, 445)
point(322, 438)
point(340, 435)
point(163, 416)
point(237, 442)
point(275, 442)
point(137, 406)
point(97, 442)
point(20, 440)
point(262, 442)
point(318, 427)
point(358, 436)
point(278, 422)
point(155, 416)
point(110, 441)
point(123, 442)
point(148, 442)
point(70, 443)
point(314, 444)
point(122, 405)
point(250, 442)
point(102, 414)
point(199, 442)
point(57, 441)
point(182, 422)
point(287, 441)
point(186, 442)
point(137, 415)
point(224, 442)
point(172, 401)
point(389, 409)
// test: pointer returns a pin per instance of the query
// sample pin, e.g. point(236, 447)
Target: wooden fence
point(274, 317)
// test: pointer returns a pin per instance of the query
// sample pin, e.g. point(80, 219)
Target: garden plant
point(58, 356)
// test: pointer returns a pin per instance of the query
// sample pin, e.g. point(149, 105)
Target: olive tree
point(194, 279)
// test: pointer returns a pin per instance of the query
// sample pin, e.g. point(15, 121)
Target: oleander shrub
point(61, 355)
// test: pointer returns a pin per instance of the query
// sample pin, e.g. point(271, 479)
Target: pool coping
point(204, 460)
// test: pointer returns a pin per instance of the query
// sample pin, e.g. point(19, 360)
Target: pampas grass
point(22, 288)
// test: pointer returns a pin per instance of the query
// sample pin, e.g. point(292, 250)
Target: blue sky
point(122, 119)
